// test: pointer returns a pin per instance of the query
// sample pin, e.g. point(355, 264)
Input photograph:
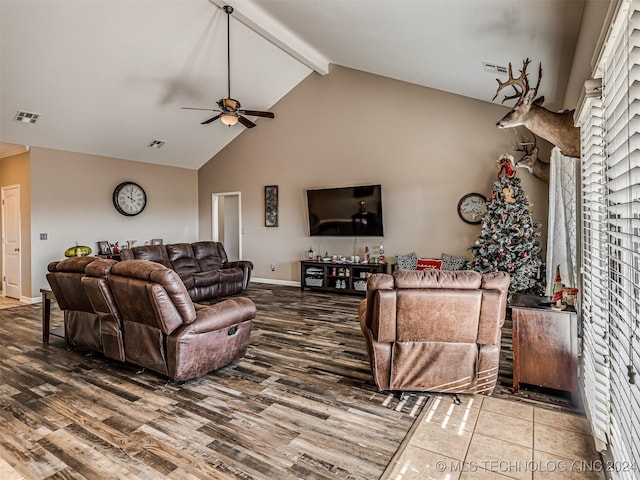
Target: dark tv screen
point(345, 211)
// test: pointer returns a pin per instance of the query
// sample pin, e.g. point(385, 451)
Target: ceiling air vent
point(493, 68)
point(156, 143)
point(27, 117)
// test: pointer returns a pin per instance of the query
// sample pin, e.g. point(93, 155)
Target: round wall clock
point(129, 199)
point(472, 207)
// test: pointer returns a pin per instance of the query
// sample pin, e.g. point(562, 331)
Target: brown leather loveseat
point(434, 331)
point(203, 267)
point(105, 302)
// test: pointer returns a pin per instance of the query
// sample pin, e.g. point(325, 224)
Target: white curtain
point(561, 235)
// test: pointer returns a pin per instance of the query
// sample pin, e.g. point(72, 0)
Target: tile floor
point(492, 438)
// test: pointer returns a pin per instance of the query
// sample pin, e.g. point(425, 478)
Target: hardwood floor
point(6, 302)
point(299, 405)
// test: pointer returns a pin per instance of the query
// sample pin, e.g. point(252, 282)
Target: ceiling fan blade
point(246, 122)
point(212, 119)
point(257, 113)
point(196, 108)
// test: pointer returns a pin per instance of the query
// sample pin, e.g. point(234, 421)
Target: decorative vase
point(77, 251)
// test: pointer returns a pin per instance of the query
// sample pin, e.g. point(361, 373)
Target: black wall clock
point(129, 199)
point(472, 207)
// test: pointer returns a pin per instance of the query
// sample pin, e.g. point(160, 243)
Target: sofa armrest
point(223, 314)
point(362, 315)
point(376, 283)
point(495, 288)
point(383, 319)
point(382, 324)
point(246, 267)
point(239, 263)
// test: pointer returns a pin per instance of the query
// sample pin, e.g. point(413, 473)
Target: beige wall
point(593, 19)
point(427, 148)
point(71, 201)
point(14, 170)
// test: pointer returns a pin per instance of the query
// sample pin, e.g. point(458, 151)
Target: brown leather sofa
point(434, 331)
point(203, 267)
point(83, 327)
point(165, 331)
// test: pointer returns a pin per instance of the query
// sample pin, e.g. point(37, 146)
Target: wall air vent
point(493, 68)
point(27, 117)
point(156, 143)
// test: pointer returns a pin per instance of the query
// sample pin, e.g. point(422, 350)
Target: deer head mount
point(555, 127)
point(531, 161)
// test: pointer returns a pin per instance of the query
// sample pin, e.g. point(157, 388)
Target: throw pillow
point(407, 262)
point(429, 264)
point(453, 262)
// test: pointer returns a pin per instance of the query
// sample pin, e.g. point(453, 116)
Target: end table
point(545, 345)
point(47, 297)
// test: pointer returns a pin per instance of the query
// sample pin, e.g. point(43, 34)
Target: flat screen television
point(345, 211)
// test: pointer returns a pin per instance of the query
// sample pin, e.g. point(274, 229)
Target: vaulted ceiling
point(108, 77)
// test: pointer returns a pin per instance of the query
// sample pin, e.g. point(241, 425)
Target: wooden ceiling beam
point(254, 18)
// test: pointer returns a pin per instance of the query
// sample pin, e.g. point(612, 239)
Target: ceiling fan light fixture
point(229, 119)
point(229, 108)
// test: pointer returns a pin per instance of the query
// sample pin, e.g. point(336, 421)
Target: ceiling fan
point(230, 110)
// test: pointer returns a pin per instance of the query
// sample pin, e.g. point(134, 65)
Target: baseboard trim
point(24, 299)
point(274, 281)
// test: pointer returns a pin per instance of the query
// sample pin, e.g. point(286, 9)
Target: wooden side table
point(47, 297)
point(545, 345)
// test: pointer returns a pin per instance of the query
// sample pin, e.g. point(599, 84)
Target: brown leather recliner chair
point(169, 334)
point(81, 324)
point(434, 331)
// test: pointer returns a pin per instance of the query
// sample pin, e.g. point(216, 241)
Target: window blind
point(595, 331)
point(611, 243)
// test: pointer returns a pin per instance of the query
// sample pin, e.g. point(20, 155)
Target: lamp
point(229, 119)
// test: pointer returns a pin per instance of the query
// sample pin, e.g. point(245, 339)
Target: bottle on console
point(381, 254)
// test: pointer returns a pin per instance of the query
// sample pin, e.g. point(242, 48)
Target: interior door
point(11, 255)
point(226, 222)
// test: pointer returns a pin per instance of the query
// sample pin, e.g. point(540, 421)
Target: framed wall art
point(104, 248)
point(271, 206)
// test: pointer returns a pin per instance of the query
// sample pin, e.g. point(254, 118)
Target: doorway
point(11, 254)
point(226, 222)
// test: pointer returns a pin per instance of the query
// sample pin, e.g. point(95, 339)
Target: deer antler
point(555, 127)
point(519, 84)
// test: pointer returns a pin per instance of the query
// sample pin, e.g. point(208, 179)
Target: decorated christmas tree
point(508, 241)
